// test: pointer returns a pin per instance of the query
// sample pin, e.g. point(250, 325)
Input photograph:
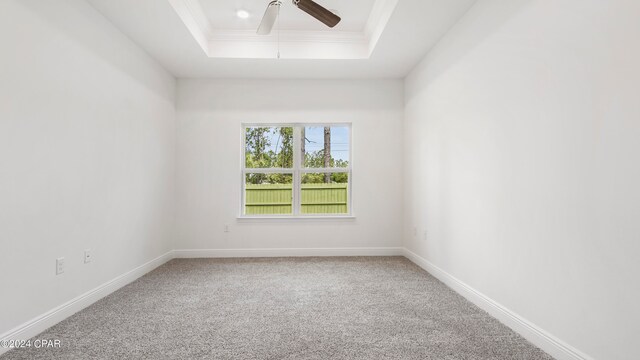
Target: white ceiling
point(301, 36)
point(354, 14)
point(413, 27)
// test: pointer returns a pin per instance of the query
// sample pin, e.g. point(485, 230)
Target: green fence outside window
point(275, 199)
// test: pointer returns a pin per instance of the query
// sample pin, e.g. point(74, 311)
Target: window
point(296, 170)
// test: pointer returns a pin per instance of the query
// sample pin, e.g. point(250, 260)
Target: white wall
point(523, 151)
point(210, 114)
point(87, 152)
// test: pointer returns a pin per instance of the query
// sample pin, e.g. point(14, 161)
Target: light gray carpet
point(285, 308)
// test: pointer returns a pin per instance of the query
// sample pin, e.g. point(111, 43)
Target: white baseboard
point(547, 342)
point(54, 316)
point(43, 322)
point(539, 337)
point(287, 252)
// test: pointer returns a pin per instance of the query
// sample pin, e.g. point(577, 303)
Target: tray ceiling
point(200, 49)
point(221, 14)
point(221, 34)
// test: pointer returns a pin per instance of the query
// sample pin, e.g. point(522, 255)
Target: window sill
point(296, 218)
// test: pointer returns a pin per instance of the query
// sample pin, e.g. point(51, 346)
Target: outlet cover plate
point(59, 266)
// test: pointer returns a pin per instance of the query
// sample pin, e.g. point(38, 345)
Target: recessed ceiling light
point(242, 14)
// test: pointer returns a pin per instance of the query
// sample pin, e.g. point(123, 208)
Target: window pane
point(330, 141)
point(325, 193)
point(268, 147)
point(268, 194)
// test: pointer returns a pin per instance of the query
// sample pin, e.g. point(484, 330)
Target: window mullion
point(268, 171)
point(325, 170)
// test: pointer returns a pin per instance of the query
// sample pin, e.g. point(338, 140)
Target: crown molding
point(193, 17)
point(293, 44)
point(290, 36)
point(377, 22)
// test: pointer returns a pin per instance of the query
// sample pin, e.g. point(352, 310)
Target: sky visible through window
point(315, 141)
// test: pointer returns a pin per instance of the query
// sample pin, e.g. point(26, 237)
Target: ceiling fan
point(309, 6)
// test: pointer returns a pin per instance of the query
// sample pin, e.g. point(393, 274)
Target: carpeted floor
point(284, 308)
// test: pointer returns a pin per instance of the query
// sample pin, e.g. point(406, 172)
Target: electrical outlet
point(59, 266)
point(424, 235)
point(226, 228)
point(87, 256)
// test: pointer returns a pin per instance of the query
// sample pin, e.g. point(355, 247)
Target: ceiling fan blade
point(317, 11)
point(269, 18)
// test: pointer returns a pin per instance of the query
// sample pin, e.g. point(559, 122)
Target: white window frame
point(297, 171)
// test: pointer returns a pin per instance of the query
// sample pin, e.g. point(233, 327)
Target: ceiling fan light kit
point(309, 6)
